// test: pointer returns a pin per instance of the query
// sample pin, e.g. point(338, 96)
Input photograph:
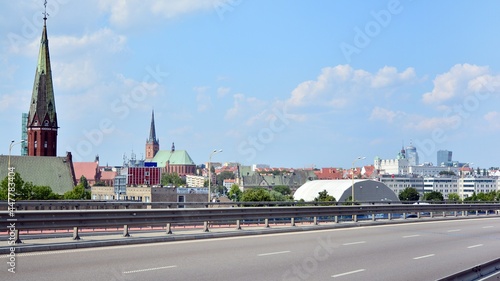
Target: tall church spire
point(42, 118)
point(152, 143)
point(152, 130)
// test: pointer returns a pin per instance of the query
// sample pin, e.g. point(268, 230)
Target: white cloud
point(125, 13)
point(428, 124)
point(103, 40)
point(461, 80)
point(222, 91)
point(493, 119)
point(202, 98)
point(379, 113)
point(244, 106)
point(338, 85)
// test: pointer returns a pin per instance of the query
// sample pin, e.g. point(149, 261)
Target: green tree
point(224, 175)
point(433, 196)
point(255, 195)
point(84, 182)
point(78, 193)
point(43, 193)
point(100, 183)
point(276, 196)
point(172, 179)
point(323, 196)
point(25, 190)
point(409, 194)
point(454, 197)
point(234, 193)
point(283, 189)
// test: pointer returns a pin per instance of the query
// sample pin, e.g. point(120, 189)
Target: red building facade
point(143, 176)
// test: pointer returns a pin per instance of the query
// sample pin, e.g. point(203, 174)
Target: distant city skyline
point(316, 84)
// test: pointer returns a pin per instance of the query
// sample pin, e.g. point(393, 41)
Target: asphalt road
point(415, 251)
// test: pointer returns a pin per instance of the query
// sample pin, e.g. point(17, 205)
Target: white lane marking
point(423, 257)
point(454, 230)
point(489, 226)
point(410, 236)
point(274, 253)
point(347, 273)
point(474, 246)
point(149, 269)
point(353, 243)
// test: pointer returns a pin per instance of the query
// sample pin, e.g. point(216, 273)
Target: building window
point(181, 199)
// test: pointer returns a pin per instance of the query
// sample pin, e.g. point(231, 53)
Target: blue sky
point(285, 83)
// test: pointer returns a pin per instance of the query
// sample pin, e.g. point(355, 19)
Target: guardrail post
point(169, 228)
point(336, 219)
point(292, 221)
point(266, 222)
point(75, 233)
point(418, 215)
point(431, 214)
point(354, 218)
point(456, 214)
point(465, 213)
point(315, 220)
point(205, 226)
point(17, 240)
point(444, 214)
point(125, 231)
point(374, 217)
point(477, 212)
point(404, 216)
point(389, 216)
point(238, 225)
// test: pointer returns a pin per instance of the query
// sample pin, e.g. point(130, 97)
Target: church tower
point(42, 118)
point(152, 144)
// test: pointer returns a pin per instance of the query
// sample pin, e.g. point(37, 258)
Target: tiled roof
point(108, 175)
point(87, 169)
point(177, 157)
point(297, 178)
point(55, 172)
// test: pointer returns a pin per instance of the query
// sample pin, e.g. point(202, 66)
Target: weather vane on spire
point(45, 14)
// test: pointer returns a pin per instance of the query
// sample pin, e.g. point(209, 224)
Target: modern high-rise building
point(41, 125)
point(412, 155)
point(444, 158)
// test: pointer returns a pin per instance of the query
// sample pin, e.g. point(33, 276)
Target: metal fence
point(77, 218)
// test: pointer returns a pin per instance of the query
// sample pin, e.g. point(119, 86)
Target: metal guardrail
point(478, 272)
point(93, 204)
point(67, 219)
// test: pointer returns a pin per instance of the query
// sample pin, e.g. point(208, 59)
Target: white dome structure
point(364, 190)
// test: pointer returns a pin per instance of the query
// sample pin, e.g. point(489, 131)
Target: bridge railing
point(77, 219)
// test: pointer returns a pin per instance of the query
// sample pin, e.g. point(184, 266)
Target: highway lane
point(415, 251)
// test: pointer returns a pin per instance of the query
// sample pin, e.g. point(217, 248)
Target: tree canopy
point(78, 193)
point(255, 195)
point(433, 196)
point(26, 190)
point(323, 196)
point(235, 193)
point(409, 194)
point(172, 179)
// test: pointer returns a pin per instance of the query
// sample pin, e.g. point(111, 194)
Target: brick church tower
point(42, 118)
point(152, 144)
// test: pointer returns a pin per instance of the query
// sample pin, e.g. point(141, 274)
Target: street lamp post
point(210, 171)
point(12, 143)
point(352, 176)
